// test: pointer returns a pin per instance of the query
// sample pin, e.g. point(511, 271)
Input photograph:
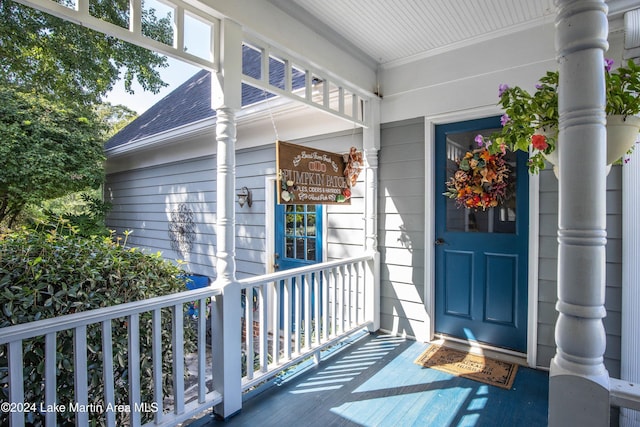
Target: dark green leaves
point(48, 274)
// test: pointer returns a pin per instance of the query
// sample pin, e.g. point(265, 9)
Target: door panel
point(459, 283)
point(481, 256)
point(500, 296)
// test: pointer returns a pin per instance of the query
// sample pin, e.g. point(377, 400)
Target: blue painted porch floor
point(374, 382)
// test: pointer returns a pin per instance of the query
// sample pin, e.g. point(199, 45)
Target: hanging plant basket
point(481, 180)
point(622, 133)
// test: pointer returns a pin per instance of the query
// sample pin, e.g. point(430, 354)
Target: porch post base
point(577, 401)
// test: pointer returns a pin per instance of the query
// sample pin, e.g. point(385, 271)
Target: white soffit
point(397, 31)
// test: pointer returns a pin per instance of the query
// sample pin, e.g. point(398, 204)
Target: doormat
point(472, 366)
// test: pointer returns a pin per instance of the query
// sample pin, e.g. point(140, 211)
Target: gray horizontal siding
point(548, 265)
point(144, 199)
point(401, 226)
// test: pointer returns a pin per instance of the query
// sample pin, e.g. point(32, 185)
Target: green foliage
point(47, 150)
point(86, 223)
point(49, 274)
point(49, 55)
point(623, 90)
point(116, 117)
point(526, 114)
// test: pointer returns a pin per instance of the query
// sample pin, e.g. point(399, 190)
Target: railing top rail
point(70, 321)
point(272, 277)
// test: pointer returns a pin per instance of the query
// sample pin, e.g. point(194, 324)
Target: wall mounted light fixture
point(244, 196)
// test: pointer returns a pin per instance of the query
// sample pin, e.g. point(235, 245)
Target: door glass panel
point(289, 249)
point(311, 224)
point(501, 219)
point(300, 252)
point(300, 232)
point(311, 249)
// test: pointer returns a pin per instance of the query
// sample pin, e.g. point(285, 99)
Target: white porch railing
point(293, 315)
point(296, 313)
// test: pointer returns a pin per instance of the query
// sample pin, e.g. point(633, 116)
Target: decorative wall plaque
point(182, 230)
point(310, 176)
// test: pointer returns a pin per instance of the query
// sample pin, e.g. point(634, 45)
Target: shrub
point(49, 274)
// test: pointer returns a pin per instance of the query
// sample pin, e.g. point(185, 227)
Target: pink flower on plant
point(608, 63)
point(501, 89)
point(504, 119)
point(479, 140)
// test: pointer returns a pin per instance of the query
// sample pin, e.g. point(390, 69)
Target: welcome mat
point(475, 367)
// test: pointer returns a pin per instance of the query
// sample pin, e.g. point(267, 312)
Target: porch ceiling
point(389, 32)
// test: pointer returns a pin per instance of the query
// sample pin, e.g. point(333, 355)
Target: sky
point(196, 35)
point(177, 73)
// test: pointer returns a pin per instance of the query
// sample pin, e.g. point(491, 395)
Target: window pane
point(311, 249)
point(300, 231)
point(289, 249)
point(290, 224)
point(311, 224)
point(500, 219)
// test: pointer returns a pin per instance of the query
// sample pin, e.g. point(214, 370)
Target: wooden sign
point(310, 176)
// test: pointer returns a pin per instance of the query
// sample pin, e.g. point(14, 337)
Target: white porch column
point(629, 359)
point(371, 143)
point(226, 318)
point(579, 382)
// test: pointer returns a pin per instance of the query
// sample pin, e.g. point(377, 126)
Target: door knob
point(440, 241)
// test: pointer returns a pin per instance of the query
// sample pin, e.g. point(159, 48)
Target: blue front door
point(481, 256)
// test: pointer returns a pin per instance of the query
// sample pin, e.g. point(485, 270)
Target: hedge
point(49, 274)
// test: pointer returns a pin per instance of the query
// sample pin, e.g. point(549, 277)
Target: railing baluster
point(134, 368)
point(298, 312)
point(334, 303)
point(286, 308)
point(363, 291)
point(202, 349)
point(248, 328)
point(325, 305)
point(356, 297)
point(80, 373)
point(107, 371)
point(156, 350)
point(360, 292)
point(306, 284)
point(349, 278)
point(16, 382)
point(317, 295)
point(50, 377)
point(275, 337)
point(342, 298)
point(263, 319)
point(178, 358)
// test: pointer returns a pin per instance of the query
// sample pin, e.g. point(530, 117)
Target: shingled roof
point(191, 101)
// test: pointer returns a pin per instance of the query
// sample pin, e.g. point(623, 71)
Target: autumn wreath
point(480, 181)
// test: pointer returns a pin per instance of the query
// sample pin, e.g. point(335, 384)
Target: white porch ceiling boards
point(392, 32)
